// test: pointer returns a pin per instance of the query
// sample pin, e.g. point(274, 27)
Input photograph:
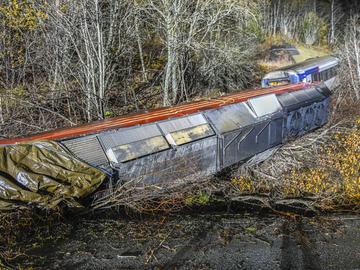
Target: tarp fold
point(45, 174)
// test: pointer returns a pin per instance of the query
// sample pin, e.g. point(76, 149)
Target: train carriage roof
point(154, 115)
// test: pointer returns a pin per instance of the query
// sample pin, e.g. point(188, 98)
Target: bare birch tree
point(350, 52)
point(96, 33)
point(193, 29)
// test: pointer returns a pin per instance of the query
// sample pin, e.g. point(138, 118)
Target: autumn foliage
point(336, 175)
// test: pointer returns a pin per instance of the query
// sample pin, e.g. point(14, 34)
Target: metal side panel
point(324, 90)
point(241, 144)
point(194, 159)
point(314, 95)
point(276, 131)
point(265, 105)
point(322, 112)
point(301, 96)
point(231, 117)
point(231, 152)
point(295, 100)
point(88, 149)
point(294, 124)
point(288, 101)
point(306, 119)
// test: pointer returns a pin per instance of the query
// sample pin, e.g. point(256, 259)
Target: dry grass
point(307, 52)
point(267, 66)
point(323, 166)
point(157, 198)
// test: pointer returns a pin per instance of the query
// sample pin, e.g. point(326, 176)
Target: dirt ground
point(205, 241)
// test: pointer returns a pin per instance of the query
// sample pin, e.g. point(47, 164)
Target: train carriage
point(198, 138)
point(318, 69)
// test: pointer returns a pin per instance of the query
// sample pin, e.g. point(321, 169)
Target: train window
point(130, 143)
point(191, 134)
point(316, 76)
point(265, 105)
point(322, 75)
point(187, 129)
point(232, 117)
point(134, 150)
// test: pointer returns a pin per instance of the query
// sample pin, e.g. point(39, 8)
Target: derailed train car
point(197, 138)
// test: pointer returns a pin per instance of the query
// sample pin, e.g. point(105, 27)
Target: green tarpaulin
point(43, 173)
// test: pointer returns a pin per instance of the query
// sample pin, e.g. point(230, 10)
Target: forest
point(68, 62)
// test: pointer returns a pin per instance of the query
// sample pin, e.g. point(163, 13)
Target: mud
point(210, 241)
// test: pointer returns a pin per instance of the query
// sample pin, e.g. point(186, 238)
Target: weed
point(202, 198)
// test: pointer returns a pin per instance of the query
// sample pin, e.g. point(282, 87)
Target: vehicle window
point(191, 134)
point(137, 149)
point(265, 105)
point(187, 129)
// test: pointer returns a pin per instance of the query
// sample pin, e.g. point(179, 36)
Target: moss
point(201, 199)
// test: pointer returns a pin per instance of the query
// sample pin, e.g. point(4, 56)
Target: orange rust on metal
point(154, 115)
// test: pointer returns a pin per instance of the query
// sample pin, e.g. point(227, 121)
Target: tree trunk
point(332, 23)
point(141, 55)
point(1, 113)
point(101, 62)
